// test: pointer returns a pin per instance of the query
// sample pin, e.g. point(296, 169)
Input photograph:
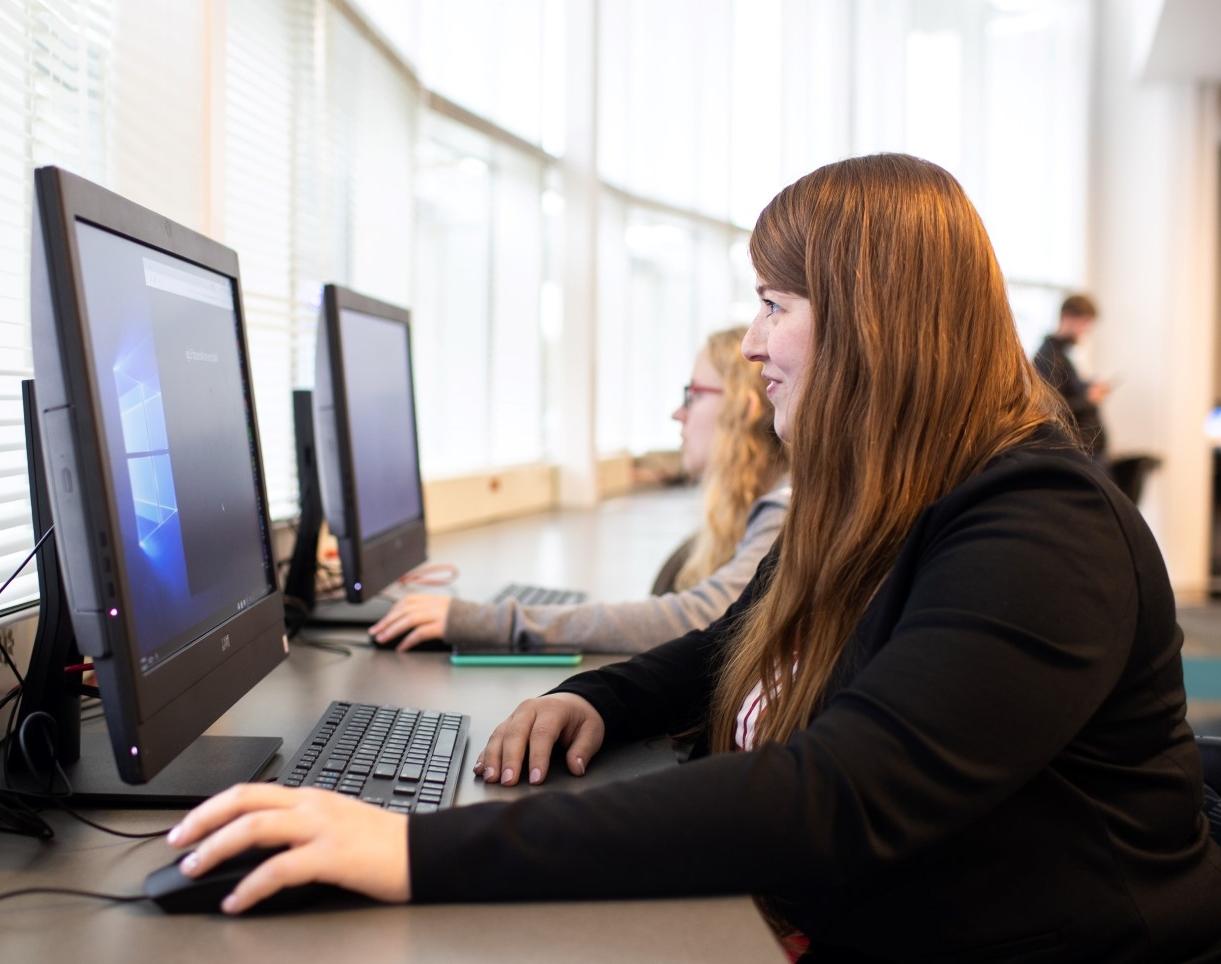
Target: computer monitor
point(150, 448)
point(357, 453)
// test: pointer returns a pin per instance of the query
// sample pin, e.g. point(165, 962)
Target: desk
point(613, 550)
point(287, 703)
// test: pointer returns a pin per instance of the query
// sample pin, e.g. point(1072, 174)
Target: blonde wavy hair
point(916, 379)
point(747, 458)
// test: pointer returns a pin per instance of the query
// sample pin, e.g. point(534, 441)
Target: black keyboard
point(540, 596)
point(404, 760)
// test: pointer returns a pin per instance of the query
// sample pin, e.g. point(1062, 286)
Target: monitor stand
point(336, 613)
point(208, 765)
point(302, 607)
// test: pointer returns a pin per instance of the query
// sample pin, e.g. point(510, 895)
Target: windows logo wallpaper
point(146, 445)
point(157, 559)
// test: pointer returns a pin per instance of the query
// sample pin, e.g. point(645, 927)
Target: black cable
point(58, 798)
point(21, 820)
point(25, 561)
point(13, 694)
point(12, 666)
point(16, 816)
point(7, 582)
point(119, 898)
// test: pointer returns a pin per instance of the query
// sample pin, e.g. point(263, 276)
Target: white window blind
point(53, 62)
point(371, 109)
point(479, 266)
point(156, 146)
point(264, 45)
point(503, 61)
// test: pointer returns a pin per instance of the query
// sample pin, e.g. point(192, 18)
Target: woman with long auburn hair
point(946, 717)
point(729, 444)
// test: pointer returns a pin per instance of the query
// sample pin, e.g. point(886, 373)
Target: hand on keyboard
point(531, 733)
point(332, 839)
point(412, 620)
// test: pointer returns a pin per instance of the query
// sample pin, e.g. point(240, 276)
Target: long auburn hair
point(916, 379)
point(747, 458)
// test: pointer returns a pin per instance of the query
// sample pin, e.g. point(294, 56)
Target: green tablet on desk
point(515, 657)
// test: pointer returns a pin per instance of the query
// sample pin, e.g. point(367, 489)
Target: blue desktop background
point(177, 437)
point(381, 420)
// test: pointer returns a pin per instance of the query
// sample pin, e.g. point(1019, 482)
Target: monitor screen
point(364, 438)
point(175, 425)
point(381, 421)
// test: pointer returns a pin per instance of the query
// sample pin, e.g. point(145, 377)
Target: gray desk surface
point(594, 548)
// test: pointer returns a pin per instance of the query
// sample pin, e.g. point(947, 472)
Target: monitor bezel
point(151, 716)
point(372, 563)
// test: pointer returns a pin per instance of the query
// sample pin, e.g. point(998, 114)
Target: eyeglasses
point(692, 390)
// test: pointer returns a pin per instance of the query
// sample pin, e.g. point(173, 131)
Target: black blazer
point(1001, 771)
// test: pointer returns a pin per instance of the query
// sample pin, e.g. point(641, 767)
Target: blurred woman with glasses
point(729, 444)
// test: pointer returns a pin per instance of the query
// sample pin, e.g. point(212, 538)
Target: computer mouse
point(176, 893)
point(428, 646)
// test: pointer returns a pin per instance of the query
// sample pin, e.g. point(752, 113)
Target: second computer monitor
point(365, 430)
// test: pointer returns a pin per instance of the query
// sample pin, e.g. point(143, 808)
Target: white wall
point(1152, 266)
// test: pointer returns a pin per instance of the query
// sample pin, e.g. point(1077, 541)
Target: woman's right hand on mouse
point(330, 838)
point(419, 615)
point(533, 730)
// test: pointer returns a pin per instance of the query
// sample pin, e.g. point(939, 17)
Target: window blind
point(53, 63)
point(264, 44)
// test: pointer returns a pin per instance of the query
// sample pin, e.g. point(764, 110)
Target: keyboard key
point(445, 744)
point(412, 771)
point(385, 771)
point(425, 807)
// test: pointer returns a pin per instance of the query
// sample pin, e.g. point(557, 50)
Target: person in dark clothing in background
point(1077, 316)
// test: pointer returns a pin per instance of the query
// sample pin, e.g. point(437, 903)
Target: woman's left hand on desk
point(331, 839)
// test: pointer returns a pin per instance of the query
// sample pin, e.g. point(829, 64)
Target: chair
point(1129, 473)
point(1210, 759)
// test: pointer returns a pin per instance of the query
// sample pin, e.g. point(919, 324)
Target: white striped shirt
point(748, 718)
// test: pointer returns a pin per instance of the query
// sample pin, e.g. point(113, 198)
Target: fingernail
point(536, 775)
point(174, 834)
point(507, 776)
point(580, 766)
point(190, 863)
point(489, 775)
point(229, 905)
